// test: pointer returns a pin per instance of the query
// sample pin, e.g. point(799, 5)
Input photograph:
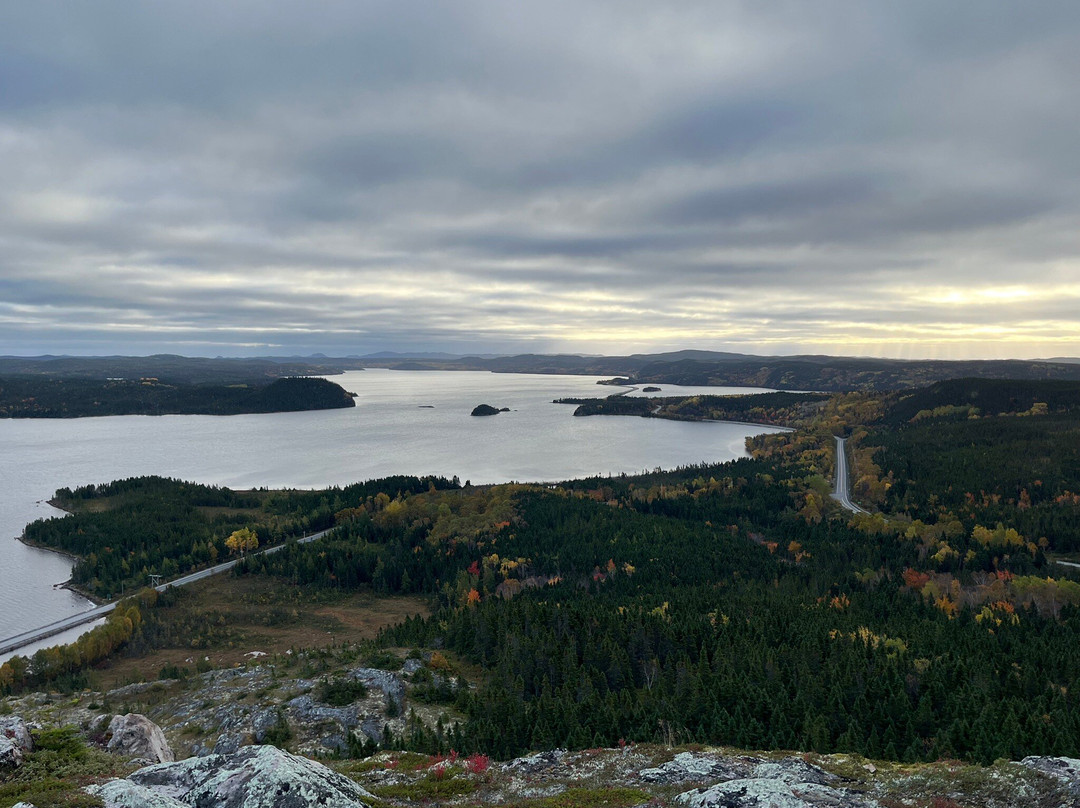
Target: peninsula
point(43, 397)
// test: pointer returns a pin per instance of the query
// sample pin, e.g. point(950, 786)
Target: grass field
point(225, 620)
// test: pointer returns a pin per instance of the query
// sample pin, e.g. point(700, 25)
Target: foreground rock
point(766, 792)
point(1064, 769)
point(126, 794)
point(254, 777)
point(696, 767)
point(15, 741)
point(137, 736)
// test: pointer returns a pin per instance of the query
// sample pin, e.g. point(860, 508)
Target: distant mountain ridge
point(688, 367)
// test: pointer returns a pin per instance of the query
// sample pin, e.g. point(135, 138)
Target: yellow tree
point(242, 540)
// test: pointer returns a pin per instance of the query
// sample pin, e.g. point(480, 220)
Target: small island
point(650, 389)
point(487, 409)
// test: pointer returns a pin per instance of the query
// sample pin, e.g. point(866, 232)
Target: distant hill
point(163, 367)
point(424, 355)
point(960, 398)
point(690, 367)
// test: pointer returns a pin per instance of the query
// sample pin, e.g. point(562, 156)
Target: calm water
point(403, 423)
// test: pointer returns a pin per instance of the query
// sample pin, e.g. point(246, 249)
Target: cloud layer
point(879, 178)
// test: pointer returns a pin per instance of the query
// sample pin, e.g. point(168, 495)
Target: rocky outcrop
point(549, 762)
point(15, 741)
point(793, 771)
point(254, 777)
point(1064, 769)
point(747, 782)
point(389, 683)
point(331, 723)
point(689, 767)
point(137, 736)
point(772, 793)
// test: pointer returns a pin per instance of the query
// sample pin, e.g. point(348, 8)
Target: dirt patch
point(219, 622)
point(368, 615)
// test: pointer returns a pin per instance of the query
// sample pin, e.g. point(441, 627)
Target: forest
point(731, 603)
point(38, 397)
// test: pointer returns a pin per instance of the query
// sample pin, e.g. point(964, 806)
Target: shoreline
point(68, 585)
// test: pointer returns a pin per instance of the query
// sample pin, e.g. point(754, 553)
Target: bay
point(404, 422)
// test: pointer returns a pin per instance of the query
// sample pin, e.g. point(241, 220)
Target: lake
point(404, 422)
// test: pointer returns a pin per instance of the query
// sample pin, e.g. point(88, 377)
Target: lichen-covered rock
point(126, 794)
point(138, 736)
point(16, 730)
point(15, 741)
point(772, 793)
point(254, 777)
point(540, 762)
point(10, 755)
point(1064, 769)
point(793, 770)
point(694, 767)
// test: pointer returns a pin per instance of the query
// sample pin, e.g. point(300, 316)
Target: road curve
point(27, 637)
point(840, 491)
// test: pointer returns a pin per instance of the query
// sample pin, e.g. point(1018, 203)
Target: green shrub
point(340, 692)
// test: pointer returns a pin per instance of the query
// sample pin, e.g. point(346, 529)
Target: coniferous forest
point(731, 603)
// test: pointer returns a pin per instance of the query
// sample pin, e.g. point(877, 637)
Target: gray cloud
point(236, 178)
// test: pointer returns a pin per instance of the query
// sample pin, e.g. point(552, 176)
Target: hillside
point(729, 605)
point(689, 367)
point(166, 368)
point(822, 373)
point(88, 742)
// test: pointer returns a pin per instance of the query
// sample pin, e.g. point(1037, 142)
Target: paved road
point(840, 492)
point(41, 633)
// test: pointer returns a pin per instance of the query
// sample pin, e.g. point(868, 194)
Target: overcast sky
point(895, 178)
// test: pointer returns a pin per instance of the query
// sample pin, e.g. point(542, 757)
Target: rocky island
point(487, 409)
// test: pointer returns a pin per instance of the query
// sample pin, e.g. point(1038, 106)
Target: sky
point(256, 178)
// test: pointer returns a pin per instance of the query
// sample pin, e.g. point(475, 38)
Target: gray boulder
point(540, 762)
point(693, 767)
point(15, 741)
point(137, 736)
point(792, 771)
point(254, 777)
point(772, 793)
